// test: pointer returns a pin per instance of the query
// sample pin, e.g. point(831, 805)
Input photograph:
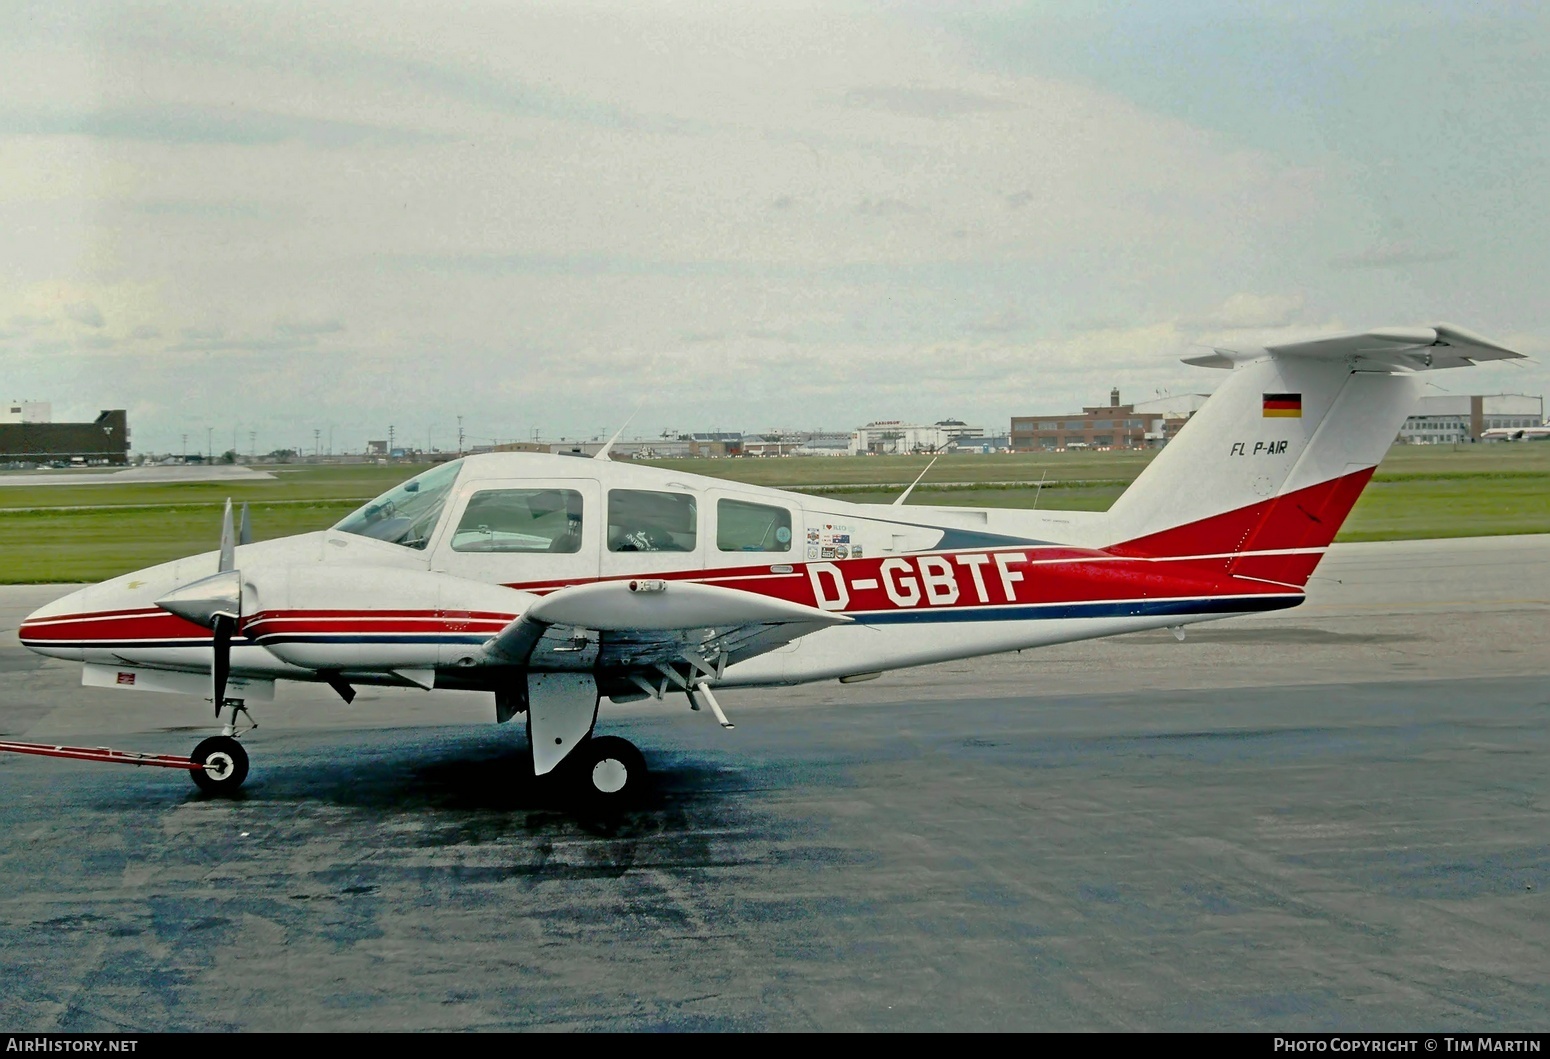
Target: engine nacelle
point(360, 618)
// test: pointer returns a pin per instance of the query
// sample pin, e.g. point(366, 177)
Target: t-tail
point(1260, 480)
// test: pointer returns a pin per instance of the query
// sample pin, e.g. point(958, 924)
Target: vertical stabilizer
point(1260, 480)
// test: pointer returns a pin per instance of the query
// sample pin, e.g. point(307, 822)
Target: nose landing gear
point(219, 762)
point(222, 765)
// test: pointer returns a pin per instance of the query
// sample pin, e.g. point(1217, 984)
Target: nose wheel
point(223, 765)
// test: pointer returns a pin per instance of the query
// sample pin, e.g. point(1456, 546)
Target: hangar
point(104, 440)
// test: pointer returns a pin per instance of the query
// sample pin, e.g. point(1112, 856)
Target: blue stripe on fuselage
point(1146, 608)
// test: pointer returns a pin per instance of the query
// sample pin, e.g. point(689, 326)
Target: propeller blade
point(220, 666)
point(228, 541)
point(245, 532)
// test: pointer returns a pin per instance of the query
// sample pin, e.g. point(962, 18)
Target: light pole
point(460, 435)
point(209, 444)
point(185, 448)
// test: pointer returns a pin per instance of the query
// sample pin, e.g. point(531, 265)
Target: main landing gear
point(607, 772)
point(598, 771)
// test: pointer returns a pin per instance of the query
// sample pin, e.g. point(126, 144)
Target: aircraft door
point(524, 531)
point(749, 529)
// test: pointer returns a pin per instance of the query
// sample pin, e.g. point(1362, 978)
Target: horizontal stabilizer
point(1382, 349)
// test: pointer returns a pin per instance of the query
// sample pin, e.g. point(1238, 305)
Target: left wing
point(634, 627)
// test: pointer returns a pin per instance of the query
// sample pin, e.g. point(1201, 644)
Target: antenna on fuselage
point(906, 494)
point(602, 453)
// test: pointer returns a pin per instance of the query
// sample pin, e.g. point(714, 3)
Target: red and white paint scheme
point(555, 582)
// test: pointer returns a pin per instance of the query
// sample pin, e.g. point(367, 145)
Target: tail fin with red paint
point(1261, 478)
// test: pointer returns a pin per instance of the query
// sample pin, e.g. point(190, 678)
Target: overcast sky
point(339, 216)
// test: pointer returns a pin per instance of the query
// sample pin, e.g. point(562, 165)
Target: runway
point(160, 473)
point(1333, 818)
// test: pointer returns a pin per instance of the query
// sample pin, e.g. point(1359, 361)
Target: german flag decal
point(1283, 406)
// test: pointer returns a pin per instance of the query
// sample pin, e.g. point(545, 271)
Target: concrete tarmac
point(1331, 818)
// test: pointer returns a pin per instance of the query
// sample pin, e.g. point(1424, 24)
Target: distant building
point(1166, 416)
point(797, 443)
point(773, 443)
point(716, 444)
point(887, 437)
point(26, 412)
point(824, 443)
point(1447, 419)
point(985, 445)
point(1110, 426)
point(103, 440)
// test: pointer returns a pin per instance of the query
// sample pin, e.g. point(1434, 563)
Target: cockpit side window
point(644, 520)
point(745, 527)
point(407, 514)
point(520, 520)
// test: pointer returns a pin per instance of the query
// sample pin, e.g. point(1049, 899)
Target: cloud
point(308, 328)
point(1244, 311)
point(763, 213)
point(1391, 255)
point(885, 206)
point(1003, 321)
point(197, 208)
point(925, 102)
point(279, 342)
point(190, 125)
point(86, 314)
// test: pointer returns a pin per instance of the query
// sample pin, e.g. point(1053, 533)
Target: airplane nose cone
point(50, 629)
point(100, 616)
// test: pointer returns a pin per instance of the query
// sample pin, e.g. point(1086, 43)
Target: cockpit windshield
point(406, 514)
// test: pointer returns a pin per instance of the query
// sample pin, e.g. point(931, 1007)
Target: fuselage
point(407, 589)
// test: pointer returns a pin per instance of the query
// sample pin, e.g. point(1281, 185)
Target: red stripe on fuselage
point(1304, 519)
point(109, 626)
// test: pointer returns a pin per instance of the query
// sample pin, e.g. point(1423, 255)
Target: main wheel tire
point(610, 772)
point(223, 765)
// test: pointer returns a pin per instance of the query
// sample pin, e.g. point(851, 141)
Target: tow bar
point(218, 765)
point(105, 754)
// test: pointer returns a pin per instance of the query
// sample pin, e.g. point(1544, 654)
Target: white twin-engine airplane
point(556, 582)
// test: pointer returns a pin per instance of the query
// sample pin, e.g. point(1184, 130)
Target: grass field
point(56, 533)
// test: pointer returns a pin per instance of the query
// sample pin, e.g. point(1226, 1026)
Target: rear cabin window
point(644, 520)
point(520, 520)
point(745, 527)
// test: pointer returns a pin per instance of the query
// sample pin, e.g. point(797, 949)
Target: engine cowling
point(357, 618)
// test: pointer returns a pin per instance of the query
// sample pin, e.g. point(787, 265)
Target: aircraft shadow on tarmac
point(463, 787)
point(1296, 635)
